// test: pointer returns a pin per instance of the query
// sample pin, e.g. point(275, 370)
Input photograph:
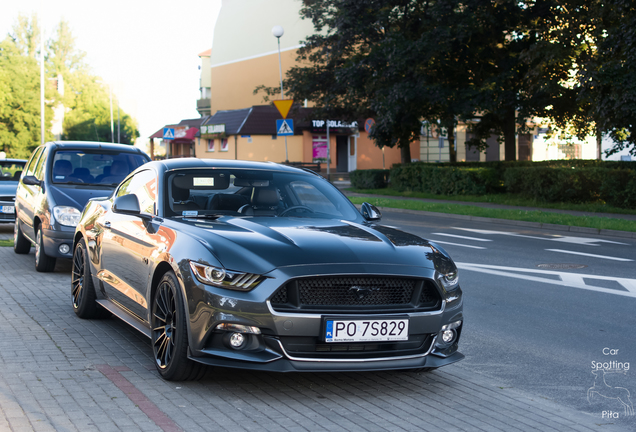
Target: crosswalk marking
point(463, 237)
point(558, 238)
point(457, 244)
point(589, 255)
point(574, 280)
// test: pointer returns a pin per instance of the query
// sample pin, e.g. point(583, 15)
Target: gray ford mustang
point(262, 266)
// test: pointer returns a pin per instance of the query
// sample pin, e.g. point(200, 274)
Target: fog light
point(64, 248)
point(448, 336)
point(237, 340)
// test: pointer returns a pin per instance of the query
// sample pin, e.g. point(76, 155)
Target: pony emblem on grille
point(361, 292)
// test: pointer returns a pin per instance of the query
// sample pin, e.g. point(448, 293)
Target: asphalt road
point(535, 320)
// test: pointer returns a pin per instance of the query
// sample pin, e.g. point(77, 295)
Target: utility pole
point(112, 127)
point(278, 31)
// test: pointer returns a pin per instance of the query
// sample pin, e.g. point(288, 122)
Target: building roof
point(262, 120)
point(196, 122)
point(206, 53)
point(232, 119)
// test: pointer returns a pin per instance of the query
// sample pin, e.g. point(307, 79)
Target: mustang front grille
point(356, 294)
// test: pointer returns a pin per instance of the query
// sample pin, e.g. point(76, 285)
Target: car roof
point(13, 160)
point(73, 145)
point(192, 163)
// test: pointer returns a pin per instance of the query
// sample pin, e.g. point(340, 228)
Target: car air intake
point(356, 295)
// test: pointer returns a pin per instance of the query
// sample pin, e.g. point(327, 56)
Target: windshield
point(11, 170)
point(243, 192)
point(94, 167)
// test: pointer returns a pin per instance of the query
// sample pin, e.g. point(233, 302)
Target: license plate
point(7, 209)
point(366, 330)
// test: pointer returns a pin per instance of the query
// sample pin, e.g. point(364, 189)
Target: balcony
point(203, 106)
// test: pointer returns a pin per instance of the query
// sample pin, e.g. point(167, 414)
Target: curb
point(551, 227)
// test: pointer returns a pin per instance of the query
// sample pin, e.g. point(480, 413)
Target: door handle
point(107, 224)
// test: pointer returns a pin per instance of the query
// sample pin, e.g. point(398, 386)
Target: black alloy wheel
point(82, 287)
point(170, 335)
point(21, 244)
point(43, 262)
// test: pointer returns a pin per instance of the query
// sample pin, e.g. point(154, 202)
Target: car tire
point(83, 296)
point(170, 334)
point(43, 262)
point(21, 244)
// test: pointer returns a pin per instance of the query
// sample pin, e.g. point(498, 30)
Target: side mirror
point(370, 212)
point(128, 204)
point(31, 181)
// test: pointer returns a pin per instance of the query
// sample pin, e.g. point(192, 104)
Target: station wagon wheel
point(43, 262)
point(170, 335)
point(82, 288)
point(21, 245)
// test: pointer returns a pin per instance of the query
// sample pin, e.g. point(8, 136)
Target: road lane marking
point(457, 244)
point(558, 238)
point(573, 280)
point(463, 237)
point(589, 255)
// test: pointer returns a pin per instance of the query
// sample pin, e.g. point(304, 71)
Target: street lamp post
point(278, 31)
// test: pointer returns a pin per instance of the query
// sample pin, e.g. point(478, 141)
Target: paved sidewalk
point(61, 373)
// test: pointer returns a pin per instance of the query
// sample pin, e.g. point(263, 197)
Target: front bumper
point(291, 341)
point(53, 239)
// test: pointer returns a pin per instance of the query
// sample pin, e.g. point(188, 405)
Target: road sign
point(283, 106)
point(168, 133)
point(285, 127)
point(368, 125)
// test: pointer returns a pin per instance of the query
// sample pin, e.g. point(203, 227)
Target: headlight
point(450, 280)
point(67, 216)
point(220, 277)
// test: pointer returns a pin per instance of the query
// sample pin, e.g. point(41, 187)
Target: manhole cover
point(561, 266)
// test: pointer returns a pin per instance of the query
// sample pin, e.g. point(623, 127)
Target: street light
point(278, 31)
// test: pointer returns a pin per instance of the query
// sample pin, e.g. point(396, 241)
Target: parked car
point(10, 171)
point(262, 266)
point(59, 178)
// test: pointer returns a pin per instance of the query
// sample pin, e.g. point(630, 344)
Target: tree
point(20, 91)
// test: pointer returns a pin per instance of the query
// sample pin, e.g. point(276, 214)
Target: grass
point(6, 243)
point(504, 199)
point(520, 215)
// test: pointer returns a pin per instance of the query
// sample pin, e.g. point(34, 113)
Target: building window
point(211, 145)
point(224, 145)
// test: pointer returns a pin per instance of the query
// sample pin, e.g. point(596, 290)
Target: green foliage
point(612, 183)
point(369, 179)
point(616, 187)
point(20, 102)
point(86, 100)
point(445, 180)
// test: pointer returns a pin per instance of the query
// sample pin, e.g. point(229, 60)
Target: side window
point(144, 185)
point(33, 161)
point(39, 168)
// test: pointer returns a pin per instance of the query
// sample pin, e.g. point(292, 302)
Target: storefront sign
point(213, 131)
point(319, 147)
point(335, 126)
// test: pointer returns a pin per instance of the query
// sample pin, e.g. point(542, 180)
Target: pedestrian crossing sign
point(285, 127)
point(168, 133)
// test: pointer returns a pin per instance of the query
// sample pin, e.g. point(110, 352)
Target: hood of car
point(8, 188)
point(77, 196)
point(270, 243)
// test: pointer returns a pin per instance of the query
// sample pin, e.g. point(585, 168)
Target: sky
point(146, 50)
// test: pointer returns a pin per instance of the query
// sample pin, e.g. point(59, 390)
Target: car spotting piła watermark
point(614, 400)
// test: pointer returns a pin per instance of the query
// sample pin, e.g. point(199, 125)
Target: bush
point(446, 180)
point(369, 179)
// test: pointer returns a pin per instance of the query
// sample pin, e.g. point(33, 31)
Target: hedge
point(576, 181)
point(369, 179)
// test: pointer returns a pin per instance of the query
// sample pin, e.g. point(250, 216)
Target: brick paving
point(61, 373)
